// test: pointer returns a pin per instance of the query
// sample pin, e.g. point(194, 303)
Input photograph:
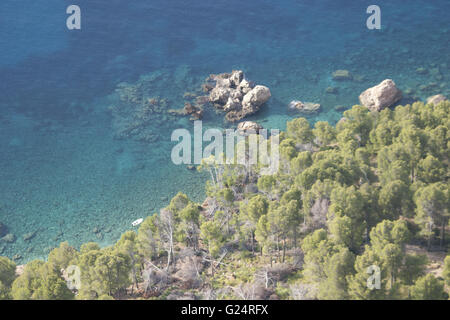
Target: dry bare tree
point(166, 226)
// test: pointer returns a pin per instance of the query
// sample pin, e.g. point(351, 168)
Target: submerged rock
point(29, 236)
point(381, 96)
point(10, 238)
point(189, 95)
point(436, 99)
point(3, 230)
point(429, 87)
point(331, 90)
point(421, 70)
point(194, 111)
point(340, 108)
point(304, 107)
point(358, 78)
point(341, 75)
point(17, 257)
point(134, 112)
point(409, 91)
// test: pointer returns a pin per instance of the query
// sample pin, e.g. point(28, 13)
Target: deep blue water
point(62, 173)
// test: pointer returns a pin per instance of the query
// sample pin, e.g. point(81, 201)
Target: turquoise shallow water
point(63, 175)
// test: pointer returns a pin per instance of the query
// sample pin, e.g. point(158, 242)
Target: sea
point(69, 171)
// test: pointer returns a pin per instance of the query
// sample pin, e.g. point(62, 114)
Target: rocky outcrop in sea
point(381, 96)
point(248, 127)
point(436, 99)
point(304, 107)
point(235, 95)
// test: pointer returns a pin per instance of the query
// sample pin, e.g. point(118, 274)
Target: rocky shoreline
point(238, 97)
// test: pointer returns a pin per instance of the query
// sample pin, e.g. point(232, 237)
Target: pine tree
point(40, 281)
point(428, 288)
point(433, 202)
point(63, 256)
point(7, 276)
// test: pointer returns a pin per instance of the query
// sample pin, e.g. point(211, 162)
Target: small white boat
point(137, 222)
